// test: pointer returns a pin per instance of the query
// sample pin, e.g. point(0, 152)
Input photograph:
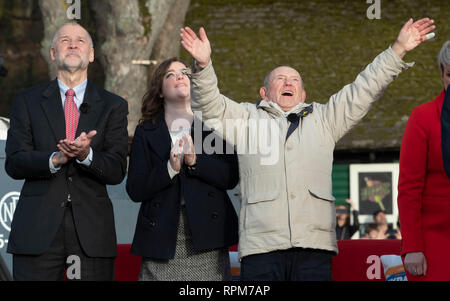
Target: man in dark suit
point(68, 139)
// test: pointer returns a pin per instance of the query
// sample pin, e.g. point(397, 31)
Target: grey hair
point(55, 36)
point(444, 56)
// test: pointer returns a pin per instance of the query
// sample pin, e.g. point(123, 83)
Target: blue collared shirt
point(79, 92)
point(78, 99)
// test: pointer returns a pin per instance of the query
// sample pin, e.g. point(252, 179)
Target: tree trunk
point(168, 43)
point(127, 31)
point(54, 16)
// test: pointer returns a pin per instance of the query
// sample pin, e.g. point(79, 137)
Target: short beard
point(62, 65)
point(72, 68)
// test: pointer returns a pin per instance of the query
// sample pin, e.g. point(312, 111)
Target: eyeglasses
point(183, 72)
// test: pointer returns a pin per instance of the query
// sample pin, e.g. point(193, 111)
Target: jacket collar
point(440, 101)
point(52, 106)
point(90, 109)
point(267, 107)
point(157, 135)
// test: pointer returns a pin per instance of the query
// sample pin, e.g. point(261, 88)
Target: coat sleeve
point(22, 160)
point(218, 111)
point(220, 171)
point(413, 164)
point(145, 178)
point(445, 132)
point(347, 107)
point(109, 164)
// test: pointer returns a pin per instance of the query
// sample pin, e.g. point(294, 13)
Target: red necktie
point(71, 115)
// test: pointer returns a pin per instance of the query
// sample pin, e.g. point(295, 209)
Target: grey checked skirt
point(187, 265)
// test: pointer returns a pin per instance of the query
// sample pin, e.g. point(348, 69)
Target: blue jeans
point(295, 264)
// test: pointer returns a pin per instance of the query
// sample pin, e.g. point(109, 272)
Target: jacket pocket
point(262, 196)
point(323, 195)
point(321, 210)
point(263, 209)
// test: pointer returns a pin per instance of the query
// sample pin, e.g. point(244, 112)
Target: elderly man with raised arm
point(287, 217)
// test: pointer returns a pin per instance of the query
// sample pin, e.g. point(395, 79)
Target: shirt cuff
point(53, 169)
point(172, 172)
point(88, 159)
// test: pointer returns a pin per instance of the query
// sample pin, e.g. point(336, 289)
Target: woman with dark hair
point(186, 220)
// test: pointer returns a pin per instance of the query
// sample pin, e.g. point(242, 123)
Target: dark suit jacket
point(37, 124)
point(445, 131)
point(211, 215)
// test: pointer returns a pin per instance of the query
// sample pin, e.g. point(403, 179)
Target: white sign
point(8, 205)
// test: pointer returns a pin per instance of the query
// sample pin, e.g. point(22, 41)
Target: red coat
point(424, 191)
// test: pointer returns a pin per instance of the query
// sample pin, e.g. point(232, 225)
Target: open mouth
point(287, 93)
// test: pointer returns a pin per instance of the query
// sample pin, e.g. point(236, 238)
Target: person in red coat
point(424, 189)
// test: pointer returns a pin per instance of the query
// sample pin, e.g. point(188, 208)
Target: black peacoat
point(211, 216)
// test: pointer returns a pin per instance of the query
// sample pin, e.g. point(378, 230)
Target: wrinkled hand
point(199, 48)
point(411, 35)
point(79, 148)
point(416, 264)
point(190, 158)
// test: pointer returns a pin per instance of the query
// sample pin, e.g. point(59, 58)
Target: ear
point(303, 97)
point(91, 55)
point(263, 93)
point(52, 54)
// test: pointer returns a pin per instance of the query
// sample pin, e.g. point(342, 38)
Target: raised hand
point(411, 35)
point(199, 48)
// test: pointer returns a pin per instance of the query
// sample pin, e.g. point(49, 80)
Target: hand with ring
point(415, 263)
point(175, 155)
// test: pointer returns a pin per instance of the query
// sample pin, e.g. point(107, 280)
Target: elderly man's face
point(73, 49)
point(284, 88)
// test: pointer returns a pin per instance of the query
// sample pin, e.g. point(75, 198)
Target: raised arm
point(347, 107)
point(205, 94)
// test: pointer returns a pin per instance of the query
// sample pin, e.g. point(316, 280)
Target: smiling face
point(284, 87)
point(176, 85)
point(72, 49)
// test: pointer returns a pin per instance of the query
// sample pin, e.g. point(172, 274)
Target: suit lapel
point(158, 137)
point(52, 106)
point(89, 110)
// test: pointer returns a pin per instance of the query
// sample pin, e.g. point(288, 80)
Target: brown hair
point(153, 100)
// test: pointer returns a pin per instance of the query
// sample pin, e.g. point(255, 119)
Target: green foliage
point(146, 17)
point(329, 43)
